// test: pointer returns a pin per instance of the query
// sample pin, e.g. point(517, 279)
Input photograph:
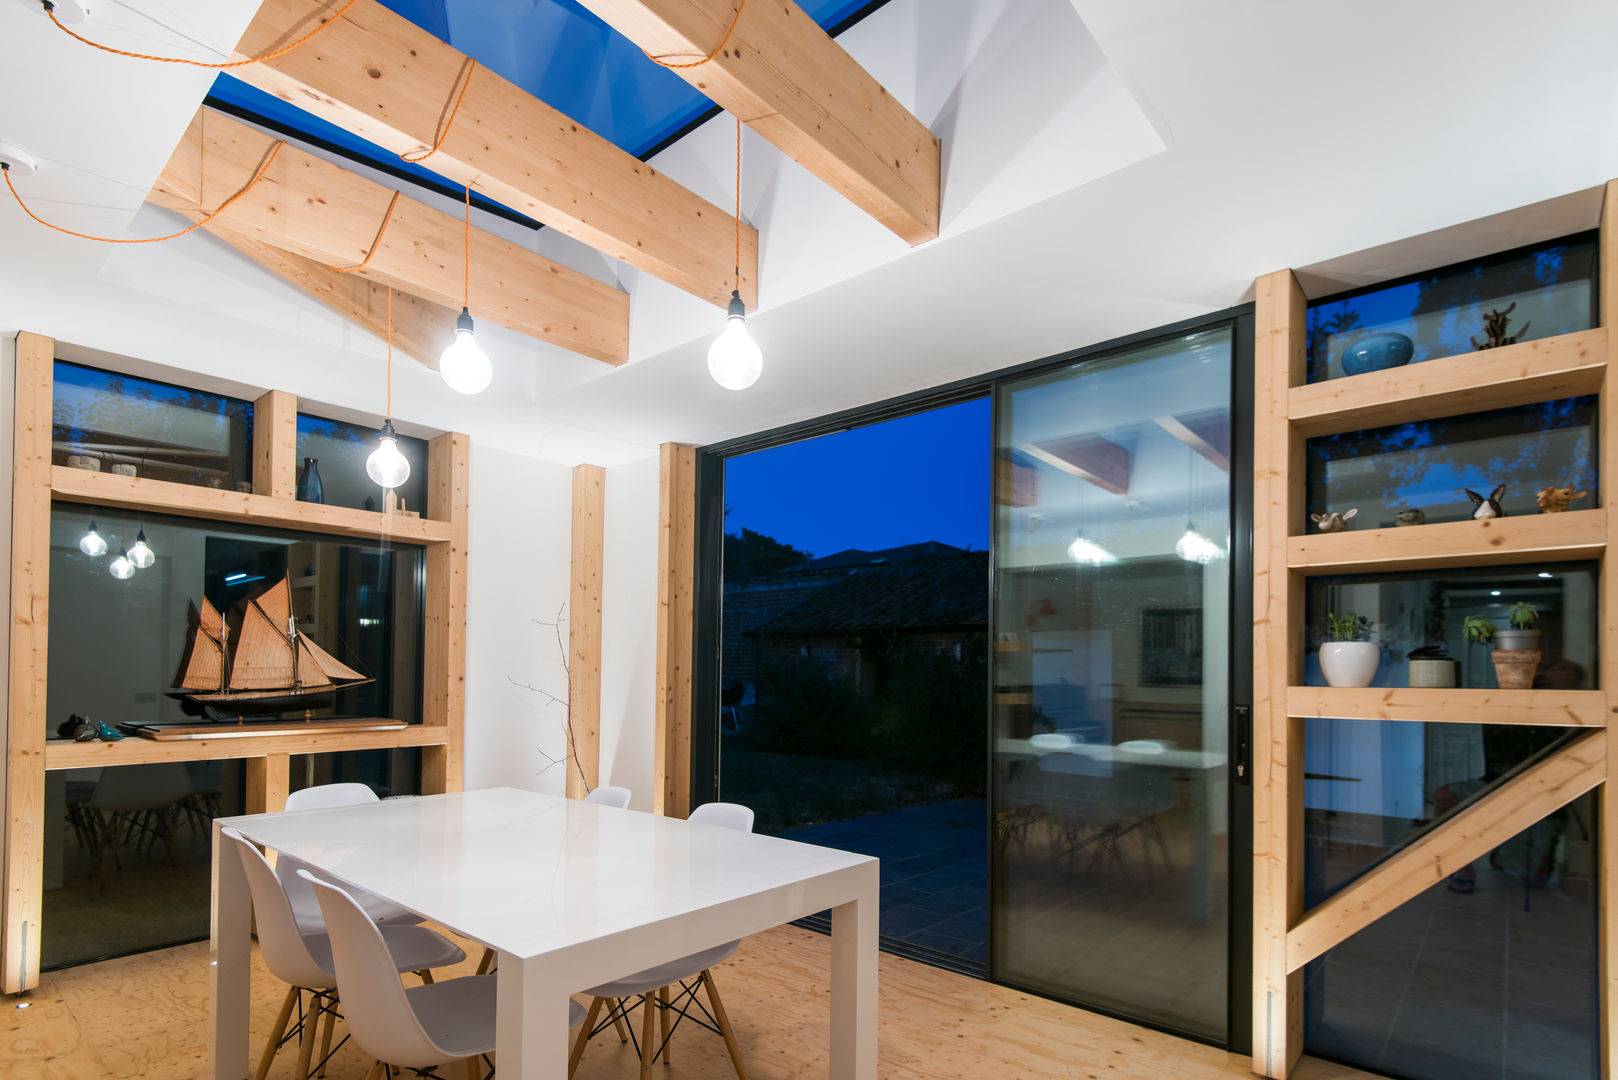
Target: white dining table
point(569, 894)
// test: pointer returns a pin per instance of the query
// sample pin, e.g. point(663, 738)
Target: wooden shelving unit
point(1289, 411)
point(441, 533)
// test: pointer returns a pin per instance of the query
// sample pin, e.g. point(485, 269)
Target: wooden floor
point(145, 1016)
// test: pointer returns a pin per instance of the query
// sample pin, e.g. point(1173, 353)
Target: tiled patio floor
point(934, 877)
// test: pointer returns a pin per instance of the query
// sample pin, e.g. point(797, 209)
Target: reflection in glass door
point(1111, 692)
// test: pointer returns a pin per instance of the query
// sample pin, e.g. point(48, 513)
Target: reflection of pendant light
point(1193, 547)
point(1083, 551)
point(734, 359)
point(386, 466)
point(464, 365)
point(121, 567)
point(92, 543)
point(141, 554)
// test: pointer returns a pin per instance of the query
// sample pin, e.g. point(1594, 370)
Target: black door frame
point(707, 638)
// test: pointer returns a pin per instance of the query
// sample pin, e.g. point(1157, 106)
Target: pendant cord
point(466, 285)
point(416, 157)
point(659, 60)
point(738, 197)
point(390, 353)
point(50, 9)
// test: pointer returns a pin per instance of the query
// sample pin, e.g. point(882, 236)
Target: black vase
point(310, 489)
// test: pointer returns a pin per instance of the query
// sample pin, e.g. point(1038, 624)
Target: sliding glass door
point(1111, 682)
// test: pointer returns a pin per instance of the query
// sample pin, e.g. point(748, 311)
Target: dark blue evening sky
point(921, 477)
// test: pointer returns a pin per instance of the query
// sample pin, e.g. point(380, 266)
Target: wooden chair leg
point(648, 1006)
point(325, 1040)
point(377, 1071)
point(584, 1034)
point(486, 961)
point(663, 1013)
point(473, 1072)
point(426, 977)
point(724, 1025)
point(618, 1019)
point(276, 1034)
point(306, 1039)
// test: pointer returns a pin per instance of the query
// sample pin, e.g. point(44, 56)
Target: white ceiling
point(1111, 166)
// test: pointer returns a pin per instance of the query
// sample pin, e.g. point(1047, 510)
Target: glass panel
point(855, 662)
point(116, 645)
point(389, 773)
point(107, 422)
point(1430, 466)
point(1372, 787)
point(1489, 973)
point(1111, 670)
point(340, 450)
point(1442, 313)
point(127, 855)
point(1428, 610)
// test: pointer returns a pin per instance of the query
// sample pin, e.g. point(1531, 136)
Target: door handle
point(1244, 744)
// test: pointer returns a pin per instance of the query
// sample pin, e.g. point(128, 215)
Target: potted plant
point(1349, 658)
point(1516, 656)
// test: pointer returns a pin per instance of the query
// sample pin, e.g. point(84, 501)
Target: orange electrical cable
point(390, 352)
point(717, 50)
point(738, 204)
point(361, 265)
point(50, 10)
point(257, 176)
point(417, 158)
point(466, 244)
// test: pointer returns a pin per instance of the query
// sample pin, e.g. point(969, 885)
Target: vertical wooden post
point(676, 614)
point(30, 638)
point(584, 632)
point(1278, 478)
point(275, 445)
point(268, 782)
point(1607, 797)
point(444, 692)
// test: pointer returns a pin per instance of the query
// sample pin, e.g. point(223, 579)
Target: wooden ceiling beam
point(310, 207)
point(793, 84)
point(421, 328)
point(1089, 457)
point(1207, 433)
point(387, 80)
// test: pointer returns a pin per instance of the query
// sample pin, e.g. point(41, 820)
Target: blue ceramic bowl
point(1377, 352)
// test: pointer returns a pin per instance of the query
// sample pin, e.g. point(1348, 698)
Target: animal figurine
point(1494, 325)
point(1333, 521)
point(1409, 517)
point(1554, 500)
point(1484, 509)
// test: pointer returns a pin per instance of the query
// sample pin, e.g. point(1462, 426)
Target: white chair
point(301, 897)
point(610, 796)
point(303, 959)
point(689, 973)
point(420, 1027)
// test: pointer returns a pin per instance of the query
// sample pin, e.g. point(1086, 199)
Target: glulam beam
point(788, 80)
point(319, 211)
point(385, 79)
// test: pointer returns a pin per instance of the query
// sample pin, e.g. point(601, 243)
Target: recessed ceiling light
point(24, 1004)
point(1546, 573)
point(1494, 592)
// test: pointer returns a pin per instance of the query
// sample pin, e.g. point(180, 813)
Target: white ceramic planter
point(1350, 663)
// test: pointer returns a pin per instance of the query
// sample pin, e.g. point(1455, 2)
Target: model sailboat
point(263, 665)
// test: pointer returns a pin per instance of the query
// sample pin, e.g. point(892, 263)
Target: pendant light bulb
point(386, 465)
point(92, 543)
point(734, 358)
point(1090, 553)
point(1193, 547)
point(141, 554)
point(121, 567)
point(464, 365)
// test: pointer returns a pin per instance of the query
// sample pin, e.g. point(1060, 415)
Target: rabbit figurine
point(1483, 509)
point(1333, 521)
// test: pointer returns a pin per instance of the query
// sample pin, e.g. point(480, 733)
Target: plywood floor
point(145, 1016)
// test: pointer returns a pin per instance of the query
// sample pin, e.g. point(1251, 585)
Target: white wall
point(517, 579)
point(629, 628)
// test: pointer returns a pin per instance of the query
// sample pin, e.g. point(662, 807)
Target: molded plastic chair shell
point(301, 897)
point(610, 796)
point(420, 1027)
point(302, 958)
point(727, 815)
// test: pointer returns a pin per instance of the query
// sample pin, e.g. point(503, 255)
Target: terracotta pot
point(1350, 663)
point(1514, 668)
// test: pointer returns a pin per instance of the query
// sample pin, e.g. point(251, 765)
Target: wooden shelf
point(62, 754)
point(216, 504)
point(1555, 708)
point(1568, 365)
point(1537, 538)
